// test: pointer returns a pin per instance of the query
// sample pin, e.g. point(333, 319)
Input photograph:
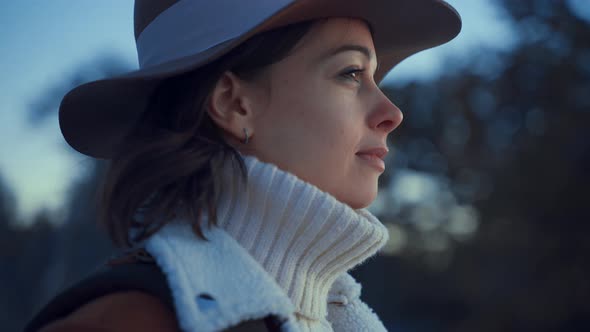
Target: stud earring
point(246, 134)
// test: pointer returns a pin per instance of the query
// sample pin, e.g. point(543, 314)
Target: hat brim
point(94, 117)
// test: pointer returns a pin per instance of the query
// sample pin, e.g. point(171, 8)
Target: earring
point(246, 134)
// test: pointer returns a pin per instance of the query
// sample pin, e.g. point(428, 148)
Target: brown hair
point(172, 160)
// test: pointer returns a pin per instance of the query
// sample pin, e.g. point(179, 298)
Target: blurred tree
point(53, 254)
point(7, 205)
point(514, 144)
point(23, 250)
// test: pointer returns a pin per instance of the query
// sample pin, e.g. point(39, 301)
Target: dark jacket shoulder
point(130, 311)
point(130, 293)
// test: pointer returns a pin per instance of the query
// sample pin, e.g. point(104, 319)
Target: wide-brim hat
point(176, 36)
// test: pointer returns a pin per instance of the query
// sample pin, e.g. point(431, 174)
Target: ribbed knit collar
point(302, 236)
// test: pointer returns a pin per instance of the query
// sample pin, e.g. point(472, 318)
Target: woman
point(243, 154)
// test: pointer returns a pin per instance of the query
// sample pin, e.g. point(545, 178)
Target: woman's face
point(322, 117)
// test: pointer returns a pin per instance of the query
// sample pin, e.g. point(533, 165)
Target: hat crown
point(145, 11)
point(188, 28)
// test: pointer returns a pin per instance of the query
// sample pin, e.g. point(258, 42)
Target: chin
point(360, 201)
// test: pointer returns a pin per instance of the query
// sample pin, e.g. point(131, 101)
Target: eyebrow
point(350, 47)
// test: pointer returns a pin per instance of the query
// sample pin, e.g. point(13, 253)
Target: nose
point(386, 116)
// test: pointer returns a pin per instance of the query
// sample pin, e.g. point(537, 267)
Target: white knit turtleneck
point(303, 237)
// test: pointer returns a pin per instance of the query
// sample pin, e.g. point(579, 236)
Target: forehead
point(329, 34)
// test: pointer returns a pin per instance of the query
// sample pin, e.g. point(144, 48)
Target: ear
point(230, 108)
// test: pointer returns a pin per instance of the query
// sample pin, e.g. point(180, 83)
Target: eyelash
point(347, 73)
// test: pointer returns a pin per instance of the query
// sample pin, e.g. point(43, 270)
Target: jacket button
point(205, 302)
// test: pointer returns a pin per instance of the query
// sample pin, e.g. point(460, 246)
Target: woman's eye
point(353, 74)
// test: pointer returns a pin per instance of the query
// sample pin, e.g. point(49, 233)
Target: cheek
point(316, 119)
point(326, 125)
point(320, 107)
point(316, 137)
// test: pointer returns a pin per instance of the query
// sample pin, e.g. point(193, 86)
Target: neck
point(303, 237)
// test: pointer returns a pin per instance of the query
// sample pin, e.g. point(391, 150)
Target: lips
point(374, 157)
point(380, 152)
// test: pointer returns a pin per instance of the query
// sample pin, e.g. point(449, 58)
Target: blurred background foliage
point(485, 198)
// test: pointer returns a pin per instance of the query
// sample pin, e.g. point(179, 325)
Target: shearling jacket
point(232, 293)
point(236, 288)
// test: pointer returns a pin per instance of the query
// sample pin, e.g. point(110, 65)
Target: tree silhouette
point(52, 254)
point(515, 146)
point(22, 252)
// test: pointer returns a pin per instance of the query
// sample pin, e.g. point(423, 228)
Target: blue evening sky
point(46, 40)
